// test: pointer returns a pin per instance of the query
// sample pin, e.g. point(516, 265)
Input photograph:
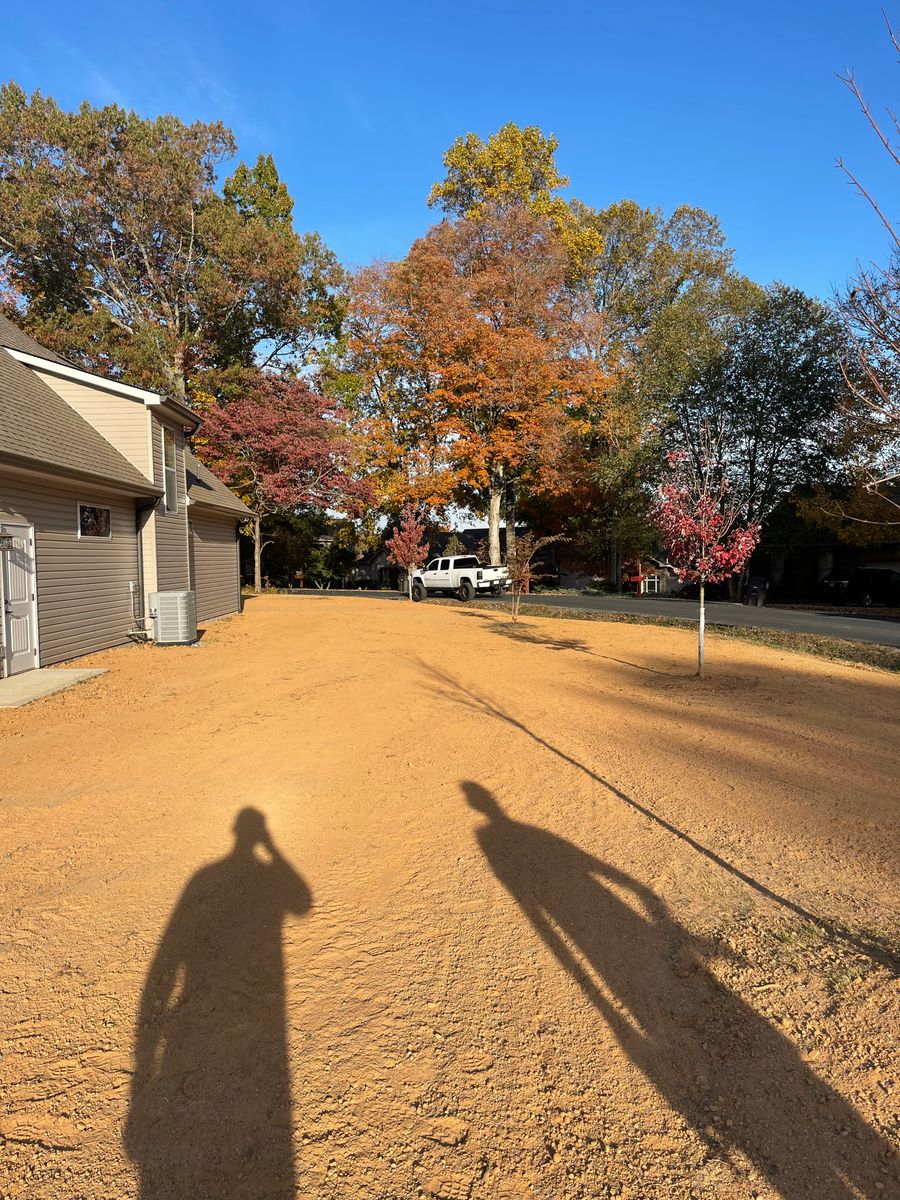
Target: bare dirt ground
point(515, 915)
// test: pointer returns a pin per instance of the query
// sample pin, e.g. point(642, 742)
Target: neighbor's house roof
point(14, 338)
point(204, 488)
point(40, 431)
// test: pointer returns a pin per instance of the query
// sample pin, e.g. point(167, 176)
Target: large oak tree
point(122, 253)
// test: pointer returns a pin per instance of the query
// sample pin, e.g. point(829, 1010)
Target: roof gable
point(39, 429)
point(205, 488)
point(33, 354)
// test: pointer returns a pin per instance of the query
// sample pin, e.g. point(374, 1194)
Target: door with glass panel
point(18, 587)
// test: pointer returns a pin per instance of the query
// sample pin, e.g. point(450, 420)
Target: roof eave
point(151, 399)
point(177, 409)
point(53, 471)
point(240, 514)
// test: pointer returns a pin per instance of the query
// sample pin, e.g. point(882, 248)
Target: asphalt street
point(880, 630)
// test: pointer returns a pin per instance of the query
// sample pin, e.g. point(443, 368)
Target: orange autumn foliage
point(473, 361)
point(399, 433)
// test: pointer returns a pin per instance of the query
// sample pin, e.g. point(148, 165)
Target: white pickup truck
point(462, 576)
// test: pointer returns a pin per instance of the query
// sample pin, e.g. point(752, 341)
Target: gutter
point(240, 514)
point(138, 630)
point(57, 472)
point(191, 419)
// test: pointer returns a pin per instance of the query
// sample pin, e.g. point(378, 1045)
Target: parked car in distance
point(712, 591)
point(873, 587)
point(833, 588)
point(462, 576)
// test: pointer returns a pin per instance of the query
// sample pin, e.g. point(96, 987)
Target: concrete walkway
point(22, 689)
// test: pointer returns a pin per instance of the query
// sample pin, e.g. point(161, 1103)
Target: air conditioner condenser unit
point(174, 617)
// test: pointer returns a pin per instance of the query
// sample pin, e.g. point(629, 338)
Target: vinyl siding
point(171, 529)
point(84, 602)
point(214, 565)
point(123, 422)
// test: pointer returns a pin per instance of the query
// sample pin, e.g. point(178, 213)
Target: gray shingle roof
point(39, 428)
point(205, 488)
point(14, 338)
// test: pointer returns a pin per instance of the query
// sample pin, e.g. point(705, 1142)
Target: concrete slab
point(20, 690)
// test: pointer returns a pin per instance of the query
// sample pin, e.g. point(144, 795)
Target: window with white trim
point(170, 476)
point(94, 521)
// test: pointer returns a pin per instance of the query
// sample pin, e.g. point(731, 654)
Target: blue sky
point(732, 105)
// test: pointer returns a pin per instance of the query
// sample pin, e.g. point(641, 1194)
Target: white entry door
point(19, 592)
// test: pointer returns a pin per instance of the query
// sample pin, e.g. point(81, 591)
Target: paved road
point(826, 624)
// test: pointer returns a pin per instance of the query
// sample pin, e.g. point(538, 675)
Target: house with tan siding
point(102, 505)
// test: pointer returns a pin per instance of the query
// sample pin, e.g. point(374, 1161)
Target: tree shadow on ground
point(210, 1112)
point(517, 631)
point(878, 951)
point(738, 1081)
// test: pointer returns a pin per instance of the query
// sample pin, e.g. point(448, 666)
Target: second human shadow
point(724, 1067)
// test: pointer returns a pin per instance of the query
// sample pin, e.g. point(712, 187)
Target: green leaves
point(514, 166)
point(768, 382)
point(259, 192)
point(130, 260)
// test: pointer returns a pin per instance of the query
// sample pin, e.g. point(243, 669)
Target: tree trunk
point(614, 564)
point(510, 512)
point(701, 635)
point(257, 557)
point(176, 371)
point(495, 498)
point(515, 602)
point(409, 575)
point(743, 587)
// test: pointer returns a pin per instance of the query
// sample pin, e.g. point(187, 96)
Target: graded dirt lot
point(381, 901)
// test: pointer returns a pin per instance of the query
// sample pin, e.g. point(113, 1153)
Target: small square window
point(94, 522)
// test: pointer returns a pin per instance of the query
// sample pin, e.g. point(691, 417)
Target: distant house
point(373, 569)
point(101, 505)
point(653, 576)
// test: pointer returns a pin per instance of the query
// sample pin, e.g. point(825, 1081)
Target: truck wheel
point(466, 591)
point(418, 592)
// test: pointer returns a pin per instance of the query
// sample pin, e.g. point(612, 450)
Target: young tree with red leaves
point(523, 570)
point(282, 446)
point(698, 514)
point(407, 549)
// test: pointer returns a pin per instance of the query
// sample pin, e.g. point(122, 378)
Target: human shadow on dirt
point(210, 1112)
point(872, 947)
point(736, 1079)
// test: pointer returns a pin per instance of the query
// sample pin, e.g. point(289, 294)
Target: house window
point(94, 522)
point(169, 470)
